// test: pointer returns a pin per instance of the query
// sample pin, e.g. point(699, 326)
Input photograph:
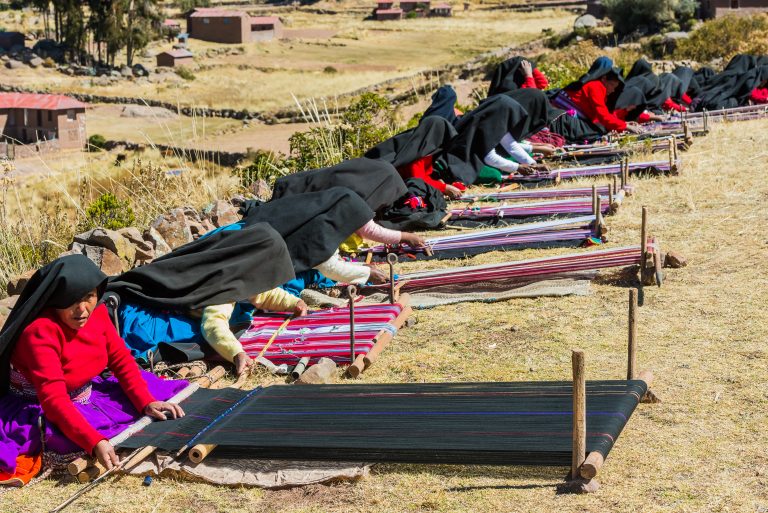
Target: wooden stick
point(643, 238)
point(595, 203)
point(273, 337)
point(591, 465)
point(632, 338)
point(392, 260)
point(77, 466)
point(579, 413)
point(216, 374)
point(352, 292)
point(384, 337)
point(657, 266)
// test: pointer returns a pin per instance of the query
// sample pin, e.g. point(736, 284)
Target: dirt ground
point(702, 449)
point(326, 55)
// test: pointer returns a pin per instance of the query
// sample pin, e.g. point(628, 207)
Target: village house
point(719, 8)
point(266, 28)
point(443, 10)
point(385, 9)
point(388, 14)
point(173, 58)
point(47, 121)
point(230, 26)
point(413, 5)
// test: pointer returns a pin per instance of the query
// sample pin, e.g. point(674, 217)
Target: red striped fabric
point(321, 334)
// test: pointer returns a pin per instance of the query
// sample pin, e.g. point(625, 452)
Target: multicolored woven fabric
point(321, 334)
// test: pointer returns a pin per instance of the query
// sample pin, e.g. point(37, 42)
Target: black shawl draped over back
point(224, 267)
point(482, 129)
point(312, 224)
point(430, 137)
point(376, 181)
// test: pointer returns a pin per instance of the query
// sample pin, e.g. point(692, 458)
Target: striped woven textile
point(523, 270)
point(320, 334)
point(522, 423)
point(660, 166)
point(538, 208)
point(559, 230)
point(578, 192)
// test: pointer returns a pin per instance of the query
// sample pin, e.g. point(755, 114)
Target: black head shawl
point(430, 137)
point(222, 268)
point(313, 224)
point(443, 102)
point(508, 76)
point(601, 67)
point(57, 285)
point(689, 84)
point(676, 90)
point(640, 68)
point(633, 97)
point(537, 106)
point(732, 87)
point(481, 130)
point(740, 64)
point(376, 181)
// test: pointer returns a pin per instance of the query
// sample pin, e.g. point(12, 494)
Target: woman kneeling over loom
point(56, 342)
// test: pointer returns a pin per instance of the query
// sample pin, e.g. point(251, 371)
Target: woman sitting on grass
point(54, 347)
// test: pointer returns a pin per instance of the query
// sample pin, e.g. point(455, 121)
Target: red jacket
point(57, 360)
point(644, 117)
point(759, 95)
point(537, 81)
point(670, 104)
point(422, 169)
point(591, 101)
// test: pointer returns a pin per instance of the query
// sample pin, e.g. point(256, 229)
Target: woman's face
point(76, 315)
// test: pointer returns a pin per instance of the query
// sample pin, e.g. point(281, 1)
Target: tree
point(649, 16)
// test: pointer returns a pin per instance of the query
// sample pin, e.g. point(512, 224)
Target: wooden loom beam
point(579, 412)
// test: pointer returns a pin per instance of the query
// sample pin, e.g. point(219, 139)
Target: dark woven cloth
point(523, 423)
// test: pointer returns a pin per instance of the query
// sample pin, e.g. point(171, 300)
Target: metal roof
point(39, 101)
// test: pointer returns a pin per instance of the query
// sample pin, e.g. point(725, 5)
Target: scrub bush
point(108, 212)
point(725, 37)
point(96, 142)
point(650, 16)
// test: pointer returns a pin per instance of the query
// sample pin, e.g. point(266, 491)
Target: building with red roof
point(388, 14)
point(52, 119)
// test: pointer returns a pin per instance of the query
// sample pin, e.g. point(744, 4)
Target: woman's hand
point(105, 454)
point(527, 68)
point(300, 310)
point(634, 128)
point(377, 275)
point(413, 240)
point(545, 149)
point(157, 409)
point(452, 192)
point(242, 362)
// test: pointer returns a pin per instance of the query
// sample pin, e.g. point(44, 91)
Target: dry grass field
point(327, 55)
point(703, 449)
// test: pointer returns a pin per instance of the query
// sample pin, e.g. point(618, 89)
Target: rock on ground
point(174, 228)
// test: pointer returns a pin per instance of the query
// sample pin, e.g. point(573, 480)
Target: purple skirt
point(108, 410)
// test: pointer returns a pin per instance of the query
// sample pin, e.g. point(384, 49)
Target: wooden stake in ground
point(579, 413)
point(632, 337)
point(392, 260)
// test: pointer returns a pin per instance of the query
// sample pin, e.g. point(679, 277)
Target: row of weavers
point(59, 338)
